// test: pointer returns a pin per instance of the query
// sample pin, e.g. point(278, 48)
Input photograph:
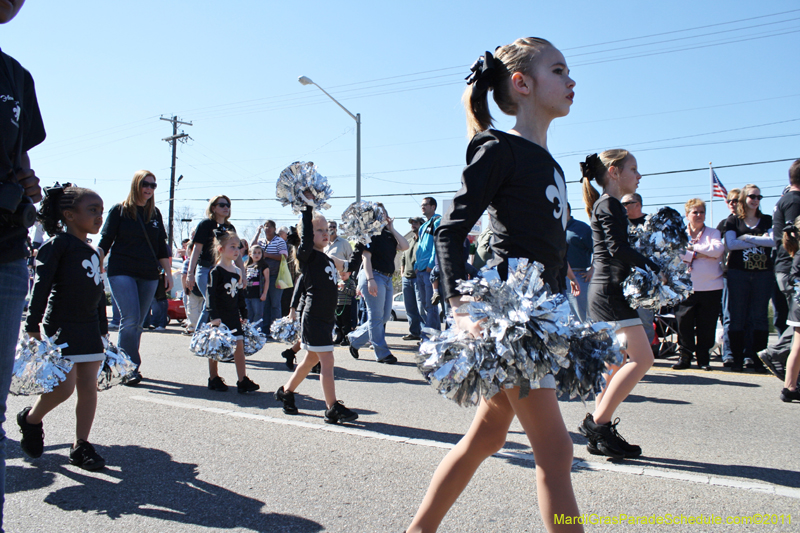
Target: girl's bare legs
point(793, 363)
point(485, 437)
point(85, 407)
point(213, 368)
point(238, 360)
point(326, 377)
point(49, 401)
point(301, 371)
point(622, 382)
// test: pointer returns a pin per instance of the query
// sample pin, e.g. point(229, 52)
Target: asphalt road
point(182, 458)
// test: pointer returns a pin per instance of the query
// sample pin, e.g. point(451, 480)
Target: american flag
point(719, 190)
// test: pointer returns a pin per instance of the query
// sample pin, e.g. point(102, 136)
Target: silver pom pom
point(526, 334)
point(214, 342)
point(285, 330)
point(362, 221)
point(38, 366)
point(661, 238)
point(299, 177)
point(254, 340)
point(116, 368)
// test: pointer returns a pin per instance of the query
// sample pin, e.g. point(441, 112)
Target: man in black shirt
point(21, 129)
point(786, 211)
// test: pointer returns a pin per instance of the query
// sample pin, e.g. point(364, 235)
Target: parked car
point(398, 307)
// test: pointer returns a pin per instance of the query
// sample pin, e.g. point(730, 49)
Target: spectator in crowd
point(180, 253)
point(245, 251)
point(135, 240)
point(375, 285)
point(16, 166)
point(727, 357)
point(202, 261)
point(579, 257)
point(292, 242)
point(633, 206)
point(697, 315)
point(748, 236)
point(426, 252)
point(274, 250)
point(408, 277)
point(192, 298)
point(483, 249)
point(786, 210)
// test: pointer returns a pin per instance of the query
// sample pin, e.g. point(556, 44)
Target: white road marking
point(527, 457)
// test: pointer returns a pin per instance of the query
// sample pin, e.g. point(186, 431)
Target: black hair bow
point(57, 189)
point(790, 229)
point(219, 233)
point(482, 69)
point(590, 167)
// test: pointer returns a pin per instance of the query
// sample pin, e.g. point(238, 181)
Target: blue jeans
point(158, 313)
point(201, 279)
point(255, 312)
point(379, 311)
point(579, 304)
point(412, 306)
point(429, 311)
point(272, 305)
point(114, 312)
point(133, 296)
point(13, 288)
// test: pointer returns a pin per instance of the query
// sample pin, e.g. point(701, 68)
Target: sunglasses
point(735, 201)
point(629, 203)
point(755, 196)
point(222, 204)
point(149, 185)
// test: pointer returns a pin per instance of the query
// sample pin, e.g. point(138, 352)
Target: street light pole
point(357, 117)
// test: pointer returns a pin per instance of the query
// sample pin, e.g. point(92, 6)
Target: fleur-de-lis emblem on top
point(232, 287)
point(93, 268)
point(557, 194)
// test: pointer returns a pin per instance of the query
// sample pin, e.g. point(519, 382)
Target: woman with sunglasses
point(748, 237)
point(217, 214)
point(135, 240)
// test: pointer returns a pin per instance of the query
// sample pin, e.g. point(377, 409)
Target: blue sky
point(680, 84)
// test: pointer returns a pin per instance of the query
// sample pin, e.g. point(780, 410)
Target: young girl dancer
point(318, 319)
point(515, 177)
point(70, 287)
point(616, 172)
point(225, 304)
point(257, 284)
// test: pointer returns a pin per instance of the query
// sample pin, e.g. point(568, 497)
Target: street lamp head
point(305, 81)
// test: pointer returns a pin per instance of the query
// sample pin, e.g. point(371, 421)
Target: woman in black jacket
point(136, 242)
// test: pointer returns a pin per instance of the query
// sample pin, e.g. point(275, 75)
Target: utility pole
point(173, 141)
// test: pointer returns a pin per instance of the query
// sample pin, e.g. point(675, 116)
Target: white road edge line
point(577, 463)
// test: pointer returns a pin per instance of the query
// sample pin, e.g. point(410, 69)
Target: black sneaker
point(289, 355)
point(354, 352)
point(774, 366)
point(246, 385)
point(217, 384)
point(287, 397)
point(786, 395)
point(631, 450)
point(601, 438)
point(32, 441)
point(84, 456)
point(133, 380)
point(388, 360)
point(339, 414)
point(682, 364)
point(316, 369)
point(345, 341)
point(411, 337)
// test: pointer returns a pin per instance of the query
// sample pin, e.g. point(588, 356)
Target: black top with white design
point(224, 300)
point(613, 255)
point(255, 279)
point(124, 241)
point(20, 119)
point(757, 258)
point(524, 190)
point(204, 234)
point(319, 274)
point(68, 295)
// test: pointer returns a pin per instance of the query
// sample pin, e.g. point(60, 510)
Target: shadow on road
point(775, 476)
point(147, 482)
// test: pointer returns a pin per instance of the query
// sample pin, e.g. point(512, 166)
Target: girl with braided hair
point(617, 173)
point(69, 301)
point(513, 176)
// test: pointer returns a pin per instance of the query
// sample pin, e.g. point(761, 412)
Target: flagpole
point(711, 199)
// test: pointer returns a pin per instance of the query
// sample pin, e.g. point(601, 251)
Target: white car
point(398, 307)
